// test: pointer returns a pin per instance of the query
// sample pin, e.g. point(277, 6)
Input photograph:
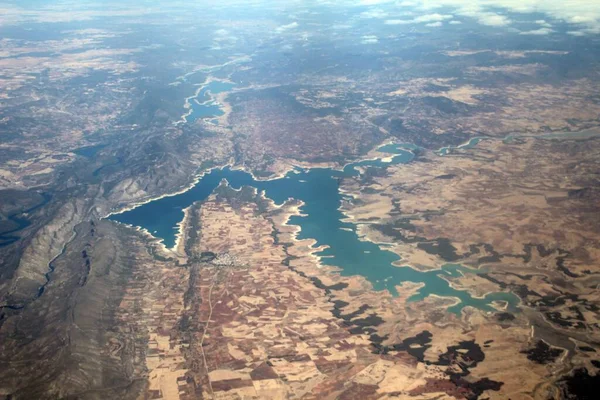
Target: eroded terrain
point(94, 99)
point(521, 212)
point(251, 314)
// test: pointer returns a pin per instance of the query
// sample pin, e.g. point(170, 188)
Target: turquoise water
point(204, 105)
point(318, 188)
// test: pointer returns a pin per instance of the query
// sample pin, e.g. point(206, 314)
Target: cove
point(322, 220)
point(203, 105)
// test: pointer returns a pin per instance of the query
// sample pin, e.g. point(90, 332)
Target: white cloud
point(543, 23)
point(585, 14)
point(375, 13)
point(455, 22)
point(341, 26)
point(369, 39)
point(287, 27)
point(537, 32)
point(398, 21)
point(373, 2)
point(420, 19)
point(220, 39)
point(434, 24)
point(492, 19)
point(432, 18)
point(580, 19)
point(541, 31)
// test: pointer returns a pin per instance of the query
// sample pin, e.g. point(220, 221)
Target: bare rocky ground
point(252, 315)
point(89, 125)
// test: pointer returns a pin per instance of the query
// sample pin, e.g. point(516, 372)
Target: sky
point(582, 16)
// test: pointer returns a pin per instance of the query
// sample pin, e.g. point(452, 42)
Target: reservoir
point(322, 220)
point(203, 105)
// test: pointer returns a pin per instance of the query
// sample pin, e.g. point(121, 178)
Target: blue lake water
point(318, 188)
point(204, 105)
